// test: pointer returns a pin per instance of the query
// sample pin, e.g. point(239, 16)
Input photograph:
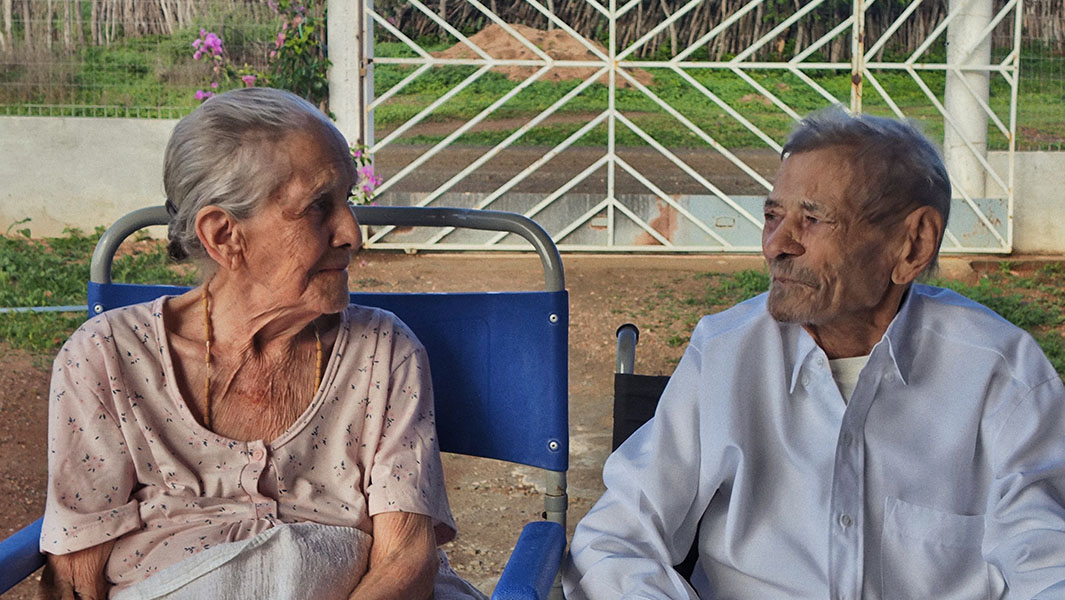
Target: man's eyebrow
point(812, 206)
point(771, 203)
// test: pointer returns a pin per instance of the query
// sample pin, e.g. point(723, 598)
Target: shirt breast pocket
point(929, 553)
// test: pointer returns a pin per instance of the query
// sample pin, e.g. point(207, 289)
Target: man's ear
point(921, 233)
point(221, 236)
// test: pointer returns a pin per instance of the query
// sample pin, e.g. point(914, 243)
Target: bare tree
point(5, 34)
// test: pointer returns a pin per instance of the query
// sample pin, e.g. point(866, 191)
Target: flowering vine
point(209, 45)
point(297, 62)
point(366, 186)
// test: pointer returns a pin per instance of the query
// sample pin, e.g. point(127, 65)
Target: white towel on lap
point(287, 562)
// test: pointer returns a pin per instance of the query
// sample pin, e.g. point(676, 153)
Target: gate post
point(969, 52)
point(345, 35)
point(857, 55)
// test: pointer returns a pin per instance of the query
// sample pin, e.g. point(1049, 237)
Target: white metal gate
point(692, 211)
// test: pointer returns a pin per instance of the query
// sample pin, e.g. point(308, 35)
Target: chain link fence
point(135, 58)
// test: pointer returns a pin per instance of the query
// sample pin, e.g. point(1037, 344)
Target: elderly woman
point(255, 437)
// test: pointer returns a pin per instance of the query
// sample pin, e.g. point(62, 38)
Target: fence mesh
point(135, 58)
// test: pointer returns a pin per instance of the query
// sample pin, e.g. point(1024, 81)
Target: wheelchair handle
point(628, 336)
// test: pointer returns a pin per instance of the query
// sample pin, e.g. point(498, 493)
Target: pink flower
point(214, 84)
point(202, 95)
point(197, 54)
point(273, 53)
point(196, 43)
point(214, 43)
point(297, 20)
point(280, 39)
point(356, 153)
point(249, 80)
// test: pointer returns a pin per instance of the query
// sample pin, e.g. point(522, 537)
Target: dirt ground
point(490, 500)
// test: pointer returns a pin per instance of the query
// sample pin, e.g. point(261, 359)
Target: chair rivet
point(553, 318)
point(553, 445)
point(97, 308)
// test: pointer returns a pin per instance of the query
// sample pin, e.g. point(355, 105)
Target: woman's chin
point(328, 293)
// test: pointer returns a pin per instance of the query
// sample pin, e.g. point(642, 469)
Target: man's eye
point(770, 216)
point(812, 220)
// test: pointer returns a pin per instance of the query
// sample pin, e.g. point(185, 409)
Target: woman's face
point(299, 244)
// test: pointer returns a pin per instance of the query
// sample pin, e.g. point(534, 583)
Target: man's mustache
point(783, 269)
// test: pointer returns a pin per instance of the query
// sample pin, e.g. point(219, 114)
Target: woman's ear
point(922, 231)
point(221, 236)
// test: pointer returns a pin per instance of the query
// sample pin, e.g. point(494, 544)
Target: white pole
point(966, 49)
point(344, 31)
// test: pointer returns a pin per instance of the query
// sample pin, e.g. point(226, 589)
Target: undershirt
point(845, 371)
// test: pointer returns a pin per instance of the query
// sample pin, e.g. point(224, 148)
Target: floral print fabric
point(127, 460)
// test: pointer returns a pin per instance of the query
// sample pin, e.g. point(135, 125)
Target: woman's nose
point(348, 232)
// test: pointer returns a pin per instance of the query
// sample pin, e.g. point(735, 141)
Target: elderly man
point(849, 434)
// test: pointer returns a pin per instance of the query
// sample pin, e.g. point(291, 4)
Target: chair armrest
point(20, 555)
point(534, 563)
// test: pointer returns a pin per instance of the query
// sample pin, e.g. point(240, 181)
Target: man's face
point(828, 266)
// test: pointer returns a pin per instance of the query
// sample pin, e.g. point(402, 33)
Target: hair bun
point(176, 251)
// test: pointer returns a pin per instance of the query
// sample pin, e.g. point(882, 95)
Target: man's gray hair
point(223, 153)
point(896, 168)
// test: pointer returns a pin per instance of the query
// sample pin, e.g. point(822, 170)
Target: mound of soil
point(556, 43)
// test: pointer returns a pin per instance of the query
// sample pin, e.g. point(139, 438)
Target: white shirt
point(942, 477)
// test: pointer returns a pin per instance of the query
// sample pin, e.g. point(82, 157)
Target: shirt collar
point(894, 350)
point(903, 334)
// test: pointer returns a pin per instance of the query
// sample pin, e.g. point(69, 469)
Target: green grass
point(54, 272)
point(157, 71)
point(135, 72)
point(670, 87)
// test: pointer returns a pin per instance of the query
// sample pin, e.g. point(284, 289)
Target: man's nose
point(781, 241)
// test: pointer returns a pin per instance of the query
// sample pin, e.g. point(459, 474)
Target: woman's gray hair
point(223, 154)
point(896, 167)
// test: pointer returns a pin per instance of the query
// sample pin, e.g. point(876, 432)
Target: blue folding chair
point(499, 365)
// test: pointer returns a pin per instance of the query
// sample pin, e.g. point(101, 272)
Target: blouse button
point(258, 454)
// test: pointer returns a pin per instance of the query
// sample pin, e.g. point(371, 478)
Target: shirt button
point(820, 362)
point(890, 378)
point(845, 521)
point(258, 454)
point(806, 381)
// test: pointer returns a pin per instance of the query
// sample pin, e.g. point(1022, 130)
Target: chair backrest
point(499, 360)
point(635, 396)
point(635, 401)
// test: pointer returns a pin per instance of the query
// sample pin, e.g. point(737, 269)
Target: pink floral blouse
point(127, 460)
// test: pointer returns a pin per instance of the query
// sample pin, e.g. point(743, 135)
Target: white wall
point(1039, 205)
point(83, 172)
point(78, 172)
